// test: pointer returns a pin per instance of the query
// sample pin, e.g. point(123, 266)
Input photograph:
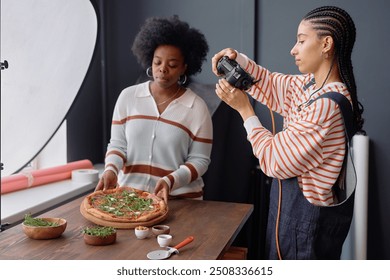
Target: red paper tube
point(40, 177)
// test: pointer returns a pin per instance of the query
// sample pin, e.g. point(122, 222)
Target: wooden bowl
point(45, 232)
point(99, 240)
point(160, 229)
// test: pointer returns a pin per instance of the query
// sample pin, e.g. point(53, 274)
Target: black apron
point(306, 231)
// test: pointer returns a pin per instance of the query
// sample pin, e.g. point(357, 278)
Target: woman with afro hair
point(161, 133)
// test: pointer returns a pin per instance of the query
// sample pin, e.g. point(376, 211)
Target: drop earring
point(183, 79)
point(149, 72)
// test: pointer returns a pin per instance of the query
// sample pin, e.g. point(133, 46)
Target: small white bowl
point(164, 240)
point(141, 232)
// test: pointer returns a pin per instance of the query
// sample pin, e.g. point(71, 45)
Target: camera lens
point(245, 83)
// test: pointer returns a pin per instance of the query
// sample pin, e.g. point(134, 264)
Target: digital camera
point(234, 74)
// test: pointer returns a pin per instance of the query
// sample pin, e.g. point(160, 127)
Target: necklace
point(309, 101)
point(169, 98)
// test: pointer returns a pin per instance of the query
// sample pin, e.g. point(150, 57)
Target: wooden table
point(213, 224)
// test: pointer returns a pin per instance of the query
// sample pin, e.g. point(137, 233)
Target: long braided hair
point(337, 23)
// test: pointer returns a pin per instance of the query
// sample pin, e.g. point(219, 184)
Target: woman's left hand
point(229, 52)
point(162, 190)
point(235, 98)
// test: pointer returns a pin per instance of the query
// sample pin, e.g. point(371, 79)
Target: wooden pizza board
point(121, 225)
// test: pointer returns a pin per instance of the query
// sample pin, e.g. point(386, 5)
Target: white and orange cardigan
point(146, 145)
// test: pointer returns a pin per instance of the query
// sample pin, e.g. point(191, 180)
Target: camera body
point(234, 74)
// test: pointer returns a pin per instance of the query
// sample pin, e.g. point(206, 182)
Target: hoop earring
point(149, 72)
point(183, 79)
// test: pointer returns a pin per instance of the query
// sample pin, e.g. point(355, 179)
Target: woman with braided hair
point(307, 219)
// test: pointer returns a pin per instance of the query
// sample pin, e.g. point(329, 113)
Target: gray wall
point(264, 30)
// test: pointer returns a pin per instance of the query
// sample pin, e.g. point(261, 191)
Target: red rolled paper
point(24, 180)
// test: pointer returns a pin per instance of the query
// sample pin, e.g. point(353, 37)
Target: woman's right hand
point(108, 180)
point(162, 190)
point(229, 52)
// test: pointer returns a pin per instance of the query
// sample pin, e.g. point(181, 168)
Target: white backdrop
point(49, 46)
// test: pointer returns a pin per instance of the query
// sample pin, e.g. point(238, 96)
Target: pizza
point(123, 207)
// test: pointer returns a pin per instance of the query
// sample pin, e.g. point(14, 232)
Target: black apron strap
point(346, 111)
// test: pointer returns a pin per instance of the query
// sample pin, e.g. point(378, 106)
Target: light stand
point(4, 65)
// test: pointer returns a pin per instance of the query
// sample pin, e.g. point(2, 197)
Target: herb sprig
point(102, 231)
point(38, 222)
point(129, 202)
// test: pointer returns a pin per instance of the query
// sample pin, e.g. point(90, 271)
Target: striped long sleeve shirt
point(146, 145)
point(311, 145)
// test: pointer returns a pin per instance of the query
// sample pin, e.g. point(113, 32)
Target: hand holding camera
point(234, 74)
point(229, 52)
point(235, 98)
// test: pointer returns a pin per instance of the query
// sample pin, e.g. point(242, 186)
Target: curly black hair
point(158, 31)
